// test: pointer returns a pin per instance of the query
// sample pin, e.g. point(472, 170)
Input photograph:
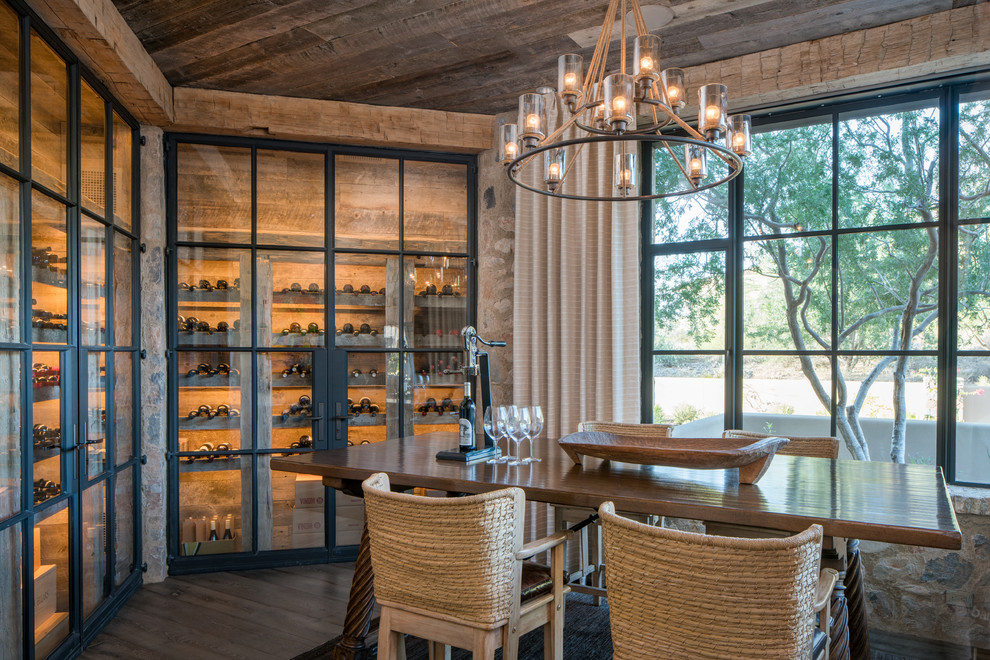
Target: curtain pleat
point(576, 297)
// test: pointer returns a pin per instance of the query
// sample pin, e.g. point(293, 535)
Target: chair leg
point(485, 643)
point(553, 629)
point(399, 645)
point(439, 651)
point(599, 564)
point(386, 642)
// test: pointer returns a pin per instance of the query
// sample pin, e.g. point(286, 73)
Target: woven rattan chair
point(675, 594)
point(799, 445)
point(451, 570)
point(590, 537)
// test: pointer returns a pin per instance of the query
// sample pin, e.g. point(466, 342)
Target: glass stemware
point(502, 423)
point(493, 429)
point(518, 427)
point(535, 429)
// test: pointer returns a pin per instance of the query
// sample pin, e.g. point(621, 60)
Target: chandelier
point(623, 109)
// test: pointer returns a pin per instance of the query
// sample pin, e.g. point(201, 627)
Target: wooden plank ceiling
point(456, 55)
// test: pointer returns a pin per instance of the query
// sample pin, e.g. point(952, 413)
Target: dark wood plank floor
point(268, 613)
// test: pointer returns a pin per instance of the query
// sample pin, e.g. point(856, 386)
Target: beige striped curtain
point(576, 302)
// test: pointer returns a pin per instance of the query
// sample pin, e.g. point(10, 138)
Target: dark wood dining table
point(851, 500)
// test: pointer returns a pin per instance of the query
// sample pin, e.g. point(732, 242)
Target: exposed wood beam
point(231, 113)
point(99, 36)
point(949, 41)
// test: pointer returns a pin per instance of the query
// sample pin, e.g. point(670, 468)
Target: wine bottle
point(213, 530)
point(466, 423)
point(227, 534)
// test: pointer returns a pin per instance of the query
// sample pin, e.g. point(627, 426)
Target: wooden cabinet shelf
point(366, 380)
point(230, 423)
point(217, 464)
point(217, 381)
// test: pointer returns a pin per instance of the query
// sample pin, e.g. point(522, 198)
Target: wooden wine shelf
point(214, 296)
point(200, 339)
point(41, 275)
point(49, 336)
point(439, 381)
point(441, 302)
point(307, 341)
point(358, 300)
point(47, 393)
point(363, 341)
point(438, 341)
point(434, 419)
point(43, 453)
point(233, 423)
point(217, 381)
point(366, 380)
point(218, 464)
point(366, 420)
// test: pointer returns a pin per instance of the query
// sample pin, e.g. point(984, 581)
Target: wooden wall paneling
point(99, 36)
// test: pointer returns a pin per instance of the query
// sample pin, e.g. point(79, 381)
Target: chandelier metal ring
point(734, 161)
point(650, 129)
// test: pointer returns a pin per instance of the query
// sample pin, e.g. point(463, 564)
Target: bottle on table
point(466, 422)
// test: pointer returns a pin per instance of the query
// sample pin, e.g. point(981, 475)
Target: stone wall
point(496, 250)
point(935, 594)
point(154, 475)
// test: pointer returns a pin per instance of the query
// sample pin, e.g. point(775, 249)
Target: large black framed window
point(838, 287)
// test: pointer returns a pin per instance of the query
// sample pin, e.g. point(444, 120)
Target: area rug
point(586, 636)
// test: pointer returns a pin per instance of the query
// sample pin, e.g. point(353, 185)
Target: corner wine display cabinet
point(317, 296)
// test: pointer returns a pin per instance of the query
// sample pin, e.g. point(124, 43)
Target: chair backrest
point(676, 594)
point(620, 428)
point(799, 445)
point(454, 556)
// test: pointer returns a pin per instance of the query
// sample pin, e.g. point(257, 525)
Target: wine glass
point(491, 428)
point(502, 420)
point(535, 429)
point(518, 427)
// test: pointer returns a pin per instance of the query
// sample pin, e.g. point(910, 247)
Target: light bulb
point(570, 80)
point(532, 121)
point(619, 104)
point(739, 140)
point(673, 93)
point(646, 64)
point(510, 149)
point(712, 113)
point(695, 165)
point(554, 170)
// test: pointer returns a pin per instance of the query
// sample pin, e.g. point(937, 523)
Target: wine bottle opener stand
point(477, 365)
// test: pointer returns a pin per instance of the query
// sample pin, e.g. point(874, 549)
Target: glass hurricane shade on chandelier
point(604, 110)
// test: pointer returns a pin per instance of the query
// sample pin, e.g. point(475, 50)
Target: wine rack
point(361, 321)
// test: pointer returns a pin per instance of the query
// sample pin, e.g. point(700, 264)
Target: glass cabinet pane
point(123, 294)
point(123, 531)
point(285, 400)
point(437, 311)
point(298, 505)
point(435, 206)
point(49, 116)
point(92, 285)
point(49, 272)
point(94, 546)
point(214, 411)
point(291, 299)
point(291, 198)
point(348, 519)
point(122, 172)
point(214, 297)
point(214, 194)
point(51, 579)
point(46, 378)
point(10, 435)
point(371, 417)
point(10, 261)
point(93, 150)
point(212, 497)
point(11, 608)
point(438, 391)
point(96, 415)
point(10, 87)
point(366, 202)
point(366, 300)
point(123, 407)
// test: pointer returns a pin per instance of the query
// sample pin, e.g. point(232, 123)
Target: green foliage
point(658, 416)
point(685, 413)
